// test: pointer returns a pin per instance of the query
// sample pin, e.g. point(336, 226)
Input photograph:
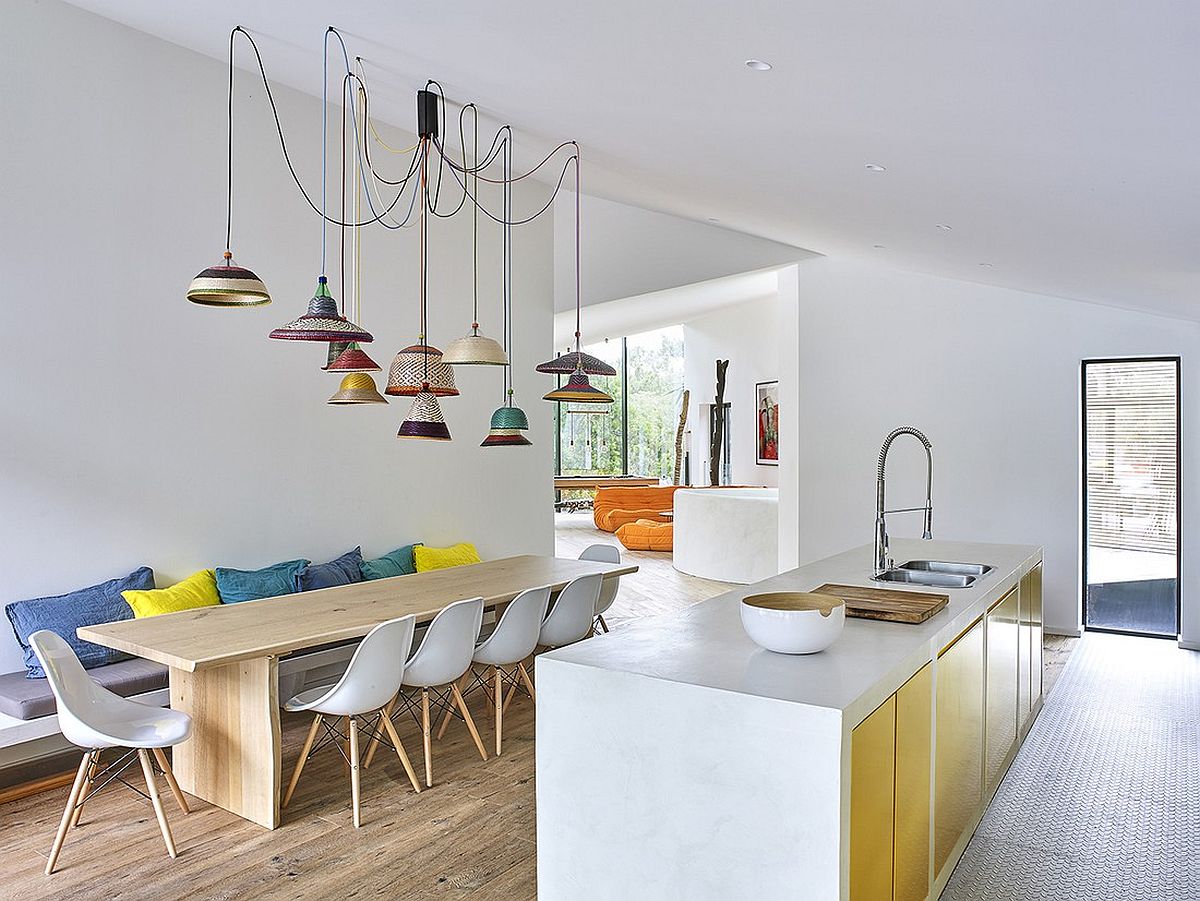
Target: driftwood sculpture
point(717, 438)
point(679, 436)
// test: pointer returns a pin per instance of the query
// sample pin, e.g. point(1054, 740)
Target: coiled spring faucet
point(883, 559)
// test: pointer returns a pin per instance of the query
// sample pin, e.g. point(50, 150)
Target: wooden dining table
point(224, 661)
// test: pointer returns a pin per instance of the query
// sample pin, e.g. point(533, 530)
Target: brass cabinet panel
point(1035, 633)
point(872, 778)
point(958, 753)
point(1003, 678)
point(1024, 647)
point(914, 747)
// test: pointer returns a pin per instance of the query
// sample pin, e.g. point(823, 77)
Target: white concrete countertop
point(706, 646)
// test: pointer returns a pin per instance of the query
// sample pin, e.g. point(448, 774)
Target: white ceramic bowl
point(793, 622)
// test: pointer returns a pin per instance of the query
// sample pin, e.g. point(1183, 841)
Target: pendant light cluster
point(419, 371)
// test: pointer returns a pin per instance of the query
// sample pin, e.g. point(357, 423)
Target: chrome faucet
point(883, 559)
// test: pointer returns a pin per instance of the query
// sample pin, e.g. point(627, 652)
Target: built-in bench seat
point(28, 699)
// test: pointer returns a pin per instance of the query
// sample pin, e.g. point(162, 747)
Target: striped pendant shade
point(353, 359)
point(357, 388)
point(578, 390)
point(420, 367)
point(568, 363)
point(322, 322)
point(505, 438)
point(474, 350)
point(424, 419)
point(507, 417)
point(228, 285)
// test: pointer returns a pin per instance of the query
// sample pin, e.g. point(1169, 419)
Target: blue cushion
point(64, 613)
point(342, 571)
point(396, 563)
point(237, 585)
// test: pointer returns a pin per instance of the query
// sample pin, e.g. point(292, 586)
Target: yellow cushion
point(197, 590)
point(427, 558)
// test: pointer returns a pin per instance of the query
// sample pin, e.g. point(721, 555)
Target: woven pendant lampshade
point(578, 390)
point(228, 285)
point(508, 417)
point(322, 322)
point(353, 359)
point(474, 350)
point(424, 419)
point(419, 367)
point(577, 359)
point(357, 388)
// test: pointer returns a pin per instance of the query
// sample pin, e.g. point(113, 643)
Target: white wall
point(139, 428)
point(748, 336)
point(628, 251)
point(992, 376)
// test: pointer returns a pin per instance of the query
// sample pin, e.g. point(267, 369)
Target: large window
point(635, 435)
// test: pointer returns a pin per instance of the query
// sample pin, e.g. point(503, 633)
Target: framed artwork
point(766, 405)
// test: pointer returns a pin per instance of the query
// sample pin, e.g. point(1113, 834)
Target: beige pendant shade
point(420, 367)
point(228, 285)
point(474, 350)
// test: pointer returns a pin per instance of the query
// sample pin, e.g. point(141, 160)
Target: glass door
point(1131, 495)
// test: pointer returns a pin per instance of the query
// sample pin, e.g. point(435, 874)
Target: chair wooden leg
point(401, 753)
point(603, 624)
point(93, 766)
point(165, 766)
point(462, 706)
point(308, 743)
point(449, 715)
point(374, 746)
point(69, 812)
point(498, 712)
point(346, 754)
point(512, 693)
point(528, 681)
point(152, 790)
point(354, 781)
point(425, 737)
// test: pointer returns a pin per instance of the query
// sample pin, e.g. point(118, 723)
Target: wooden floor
point(470, 836)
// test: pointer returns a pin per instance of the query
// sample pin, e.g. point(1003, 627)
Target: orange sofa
point(644, 535)
point(614, 507)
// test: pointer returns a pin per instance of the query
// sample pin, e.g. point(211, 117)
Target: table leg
point(232, 758)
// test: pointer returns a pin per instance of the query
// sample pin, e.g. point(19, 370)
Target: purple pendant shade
point(577, 360)
point(424, 419)
point(322, 322)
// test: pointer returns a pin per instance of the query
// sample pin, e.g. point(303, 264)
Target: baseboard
point(36, 786)
point(1189, 645)
point(1062, 633)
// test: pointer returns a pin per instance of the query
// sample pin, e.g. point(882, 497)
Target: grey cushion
point(28, 699)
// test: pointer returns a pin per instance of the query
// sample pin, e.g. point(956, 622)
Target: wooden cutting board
point(886, 603)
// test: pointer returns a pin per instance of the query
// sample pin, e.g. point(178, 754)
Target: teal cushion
point(396, 563)
point(237, 585)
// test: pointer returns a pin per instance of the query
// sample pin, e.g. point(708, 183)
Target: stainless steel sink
point(940, 566)
point(931, 578)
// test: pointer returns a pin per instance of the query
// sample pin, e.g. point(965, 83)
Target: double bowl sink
point(935, 573)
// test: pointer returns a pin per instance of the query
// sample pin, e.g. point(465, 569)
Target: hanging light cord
point(475, 236)
point(578, 281)
point(508, 329)
point(229, 155)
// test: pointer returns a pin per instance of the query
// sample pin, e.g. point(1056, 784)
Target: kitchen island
point(677, 759)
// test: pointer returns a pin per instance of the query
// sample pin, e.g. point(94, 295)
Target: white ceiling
point(1059, 140)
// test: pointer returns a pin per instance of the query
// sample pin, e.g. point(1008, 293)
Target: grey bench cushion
point(28, 699)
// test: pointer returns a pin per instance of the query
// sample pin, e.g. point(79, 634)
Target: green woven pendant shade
point(509, 418)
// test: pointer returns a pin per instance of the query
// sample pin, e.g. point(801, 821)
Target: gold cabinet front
point(914, 747)
point(1003, 678)
point(872, 779)
point(958, 754)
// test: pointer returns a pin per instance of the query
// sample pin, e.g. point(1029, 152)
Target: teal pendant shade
point(509, 418)
point(505, 438)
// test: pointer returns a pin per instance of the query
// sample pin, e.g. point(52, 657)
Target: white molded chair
point(514, 639)
point(441, 660)
point(369, 683)
point(604, 553)
point(574, 612)
point(97, 720)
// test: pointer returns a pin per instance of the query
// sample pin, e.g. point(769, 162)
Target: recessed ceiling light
point(872, 167)
point(713, 219)
point(987, 265)
point(880, 247)
point(945, 228)
point(757, 65)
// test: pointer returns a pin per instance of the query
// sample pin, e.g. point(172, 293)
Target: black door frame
point(1083, 525)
